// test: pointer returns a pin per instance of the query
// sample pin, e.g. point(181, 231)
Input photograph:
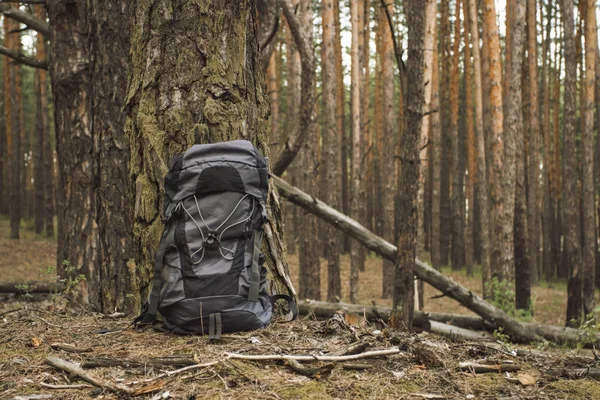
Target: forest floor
point(149, 364)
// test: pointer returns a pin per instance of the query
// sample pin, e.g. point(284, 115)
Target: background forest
point(508, 165)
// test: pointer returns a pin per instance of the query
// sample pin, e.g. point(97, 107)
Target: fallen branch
point(180, 370)
point(285, 357)
point(456, 332)
point(25, 18)
point(33, 286)
point(575, 373)
point(480, 368)
point(100, 362)
point(63, 387)
point(70, 348)
point(76, 370)
point(464, 296)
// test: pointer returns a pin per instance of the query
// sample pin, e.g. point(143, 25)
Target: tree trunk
point(13, 139)
point(429, 45)
point(331, 153)
point(436, 156)
point(308, 246)
point(572, 247)
point(589, 217)
point(515, 139)
point(41, 129)
point(406, 213)
point(482, 176)
point(446, 138)
point(533, 168)
point(345, 137)
point(387, 155)
point(471, 183)
point(457, 248)
point(224, 98)
point(77, 250)
point(357, 199)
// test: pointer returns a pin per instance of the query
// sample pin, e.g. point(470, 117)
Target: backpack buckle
point(212, 239)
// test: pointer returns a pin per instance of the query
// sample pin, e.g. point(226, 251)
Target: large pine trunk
point(572, 247)
point(331, 150)
point(186, 86)
point(12, 133)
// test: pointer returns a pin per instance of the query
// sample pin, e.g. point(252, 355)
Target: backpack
point(209, 275)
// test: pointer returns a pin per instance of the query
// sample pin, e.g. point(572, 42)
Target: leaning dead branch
point(285, 357)
point(307, 93)
point(25, 18)
point(20, 58)
point(76, 370)
point(464, 296)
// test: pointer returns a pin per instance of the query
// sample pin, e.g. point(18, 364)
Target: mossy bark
point(195, 77)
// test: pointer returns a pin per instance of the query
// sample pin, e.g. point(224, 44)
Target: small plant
point(25, 291)
point(587, 331)
point(72, 281)
point(503, 297)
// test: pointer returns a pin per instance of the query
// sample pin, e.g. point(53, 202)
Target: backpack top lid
point(236, 166)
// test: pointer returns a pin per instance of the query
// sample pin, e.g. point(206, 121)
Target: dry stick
point(483, 368)
point(75, 369)
point(285, 357)
point(70, 348)
point(62, 387)
point(467, 298)
point(180, 370)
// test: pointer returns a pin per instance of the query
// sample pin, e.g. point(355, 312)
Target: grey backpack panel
point(209, 275)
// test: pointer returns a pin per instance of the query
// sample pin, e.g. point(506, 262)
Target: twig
point(2, 314)
point(310, 372)
point(75, 369)
point(180, 370)
point(483, 368)
point(70, 348)
point(285, 357)
point(61, 387)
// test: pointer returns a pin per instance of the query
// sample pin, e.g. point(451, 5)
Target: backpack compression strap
point(150, 308)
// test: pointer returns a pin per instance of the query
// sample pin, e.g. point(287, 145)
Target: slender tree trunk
point(41, 130)
point(357, 203)
point(457, 234)
point(403, 308)
point(345, 137)
point(366, 122)
point(471, 151)
point(436, 155)
point(308, 246)
point(515, 139)
point(446, 136)
point(387, 155)
point(570, 209)
point(13, 139)
point(331, 153)
point(429, 47)
point(503, 155)
point(533, 178)
point(589, 217)
point(174, 55)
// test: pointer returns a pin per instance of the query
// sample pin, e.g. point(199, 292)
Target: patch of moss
point(577, 389)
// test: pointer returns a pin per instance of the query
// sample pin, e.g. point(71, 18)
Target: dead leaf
point(36, 342)
point(526, 379)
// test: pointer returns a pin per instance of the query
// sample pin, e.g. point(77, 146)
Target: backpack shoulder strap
point(150, 308)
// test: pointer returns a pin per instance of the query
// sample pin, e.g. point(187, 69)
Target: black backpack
point(209, 275)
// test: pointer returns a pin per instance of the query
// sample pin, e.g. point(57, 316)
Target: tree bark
point(357, 193)
point(389, 136)
point(308, 250)
point(41, 134)
point(572, 246)
point(515, 141)
point(331, 153)
point(533, 168)
point(430, 47)
point(224, 98)
point(12, 134)
point(482, 176)
point(77, 250)
point(457, 247)
point(589, 217)
point(406, 213)
point(445, 136)
point(471, 183)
